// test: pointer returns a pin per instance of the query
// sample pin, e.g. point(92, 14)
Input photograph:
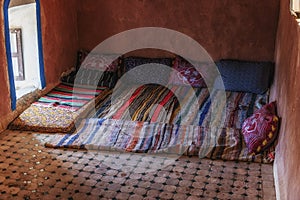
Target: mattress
point(157, 138)
point(59, 110)
point(153, 119)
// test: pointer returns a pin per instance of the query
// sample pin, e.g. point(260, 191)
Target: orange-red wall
point(60, 36)
point(226, 29)
point(60, 43)
point(286, 91)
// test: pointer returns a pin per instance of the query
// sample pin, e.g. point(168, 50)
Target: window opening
point(17, 53)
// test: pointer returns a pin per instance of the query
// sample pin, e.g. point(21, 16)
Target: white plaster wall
point(25, 17)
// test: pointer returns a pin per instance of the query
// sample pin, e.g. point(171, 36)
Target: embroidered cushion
point(132, 62)
point(151, 70)
point(101, 62)
point(92, 77)
point(260, 129)
point(185, 73)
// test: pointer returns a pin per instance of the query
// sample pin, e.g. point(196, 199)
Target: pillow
point(245, 76)
point(132, 62)
point(81, 55)
point(260, 129)
point(100, 62)
point(152, 73)
point(185, 73)
point(92, 77)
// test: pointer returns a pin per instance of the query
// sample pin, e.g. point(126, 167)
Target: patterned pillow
point(245, 76)
point(152, 72)
point(132, 62)
point(185, 73)
point(92, 77)
point(81, 55)
point(260, 129)
point(100, 62)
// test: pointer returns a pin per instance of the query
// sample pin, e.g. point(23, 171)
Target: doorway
point(23, 47)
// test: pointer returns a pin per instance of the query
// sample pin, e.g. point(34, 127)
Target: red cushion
point(185, 73)
point(260, 130)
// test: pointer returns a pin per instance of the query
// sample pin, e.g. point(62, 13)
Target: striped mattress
point(59, 110)
point(153, 118)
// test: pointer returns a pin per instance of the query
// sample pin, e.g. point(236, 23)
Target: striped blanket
point(59, 110)
point(177, 105)
point(147, 137)
point(154, 119)
point(68, 96)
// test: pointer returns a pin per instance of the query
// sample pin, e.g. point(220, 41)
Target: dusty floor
point(28, 170)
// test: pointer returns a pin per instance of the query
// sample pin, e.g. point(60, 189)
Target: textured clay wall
point(60, 43)
point(226, 29)
point(60, 36)
point(286, 91)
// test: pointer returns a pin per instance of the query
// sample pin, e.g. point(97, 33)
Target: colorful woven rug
point(152, 103)
point(69, 97)
point(147, 137)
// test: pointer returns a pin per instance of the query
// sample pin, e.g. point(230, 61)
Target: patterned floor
point(28, 170)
